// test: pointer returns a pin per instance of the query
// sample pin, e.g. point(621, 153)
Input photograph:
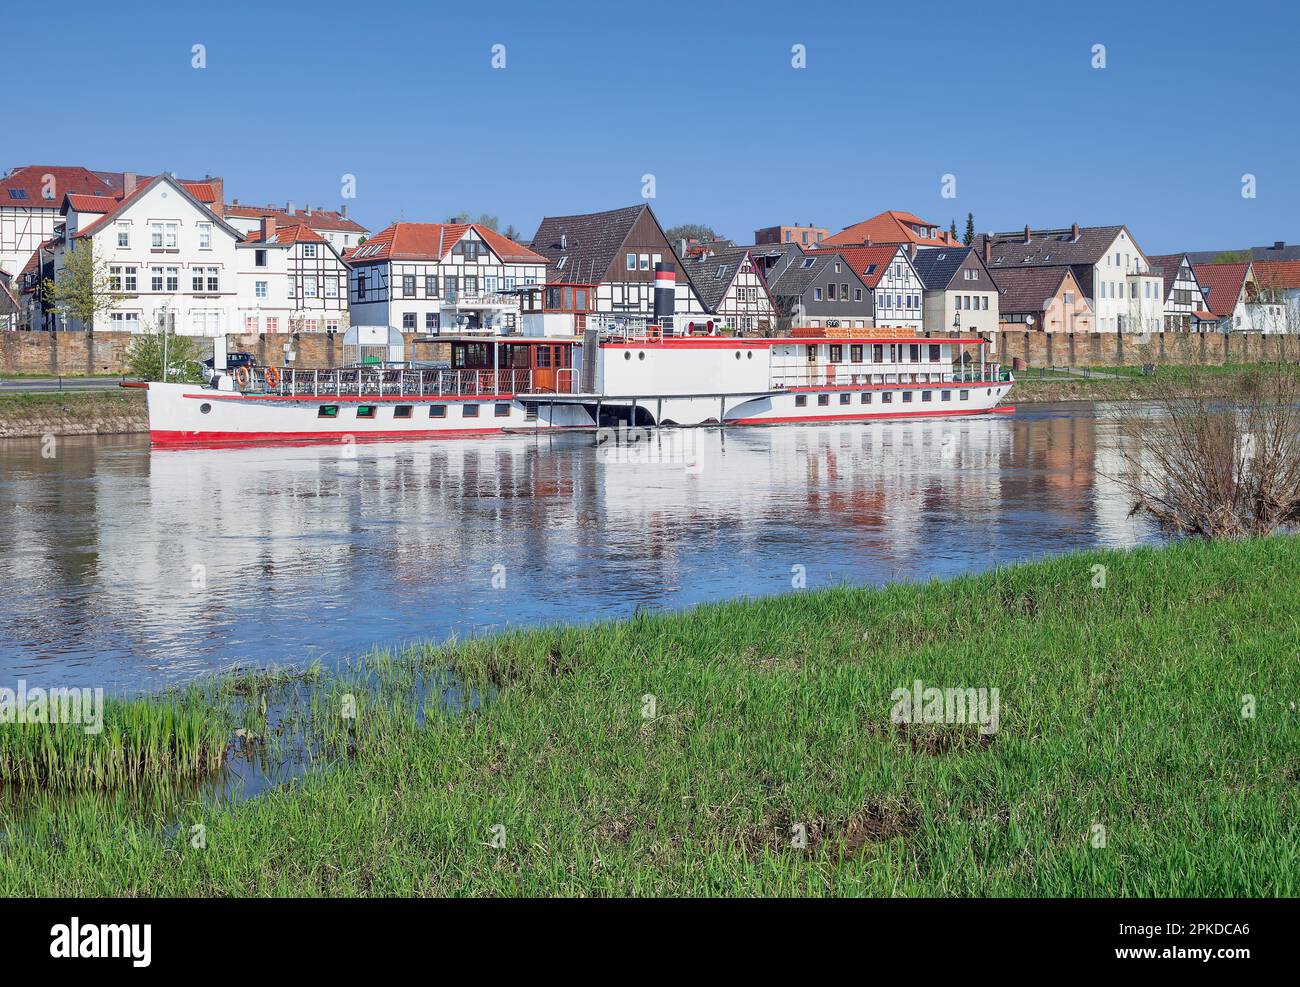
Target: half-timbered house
point(615, 253)
point(896, 287)
point(732, 289)
point(1182, 293)
point(337, 228)
point(440, 277)
point(291, 279)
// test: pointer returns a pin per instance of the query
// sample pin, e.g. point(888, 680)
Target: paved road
point(36, 385)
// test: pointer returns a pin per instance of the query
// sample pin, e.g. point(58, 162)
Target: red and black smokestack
point(665, 293)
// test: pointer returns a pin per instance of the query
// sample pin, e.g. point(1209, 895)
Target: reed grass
point(1125, 763)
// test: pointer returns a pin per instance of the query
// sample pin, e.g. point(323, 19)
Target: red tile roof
point(891, 226)
point(433, 241)
point(1225, 282)
point(92, 203)
point(30, 179)
point(1278, 273)
point(861, 259)
point(299, 233)
point(319, 219)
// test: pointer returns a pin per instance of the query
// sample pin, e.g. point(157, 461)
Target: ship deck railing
point(856, 375)
point(402, 382)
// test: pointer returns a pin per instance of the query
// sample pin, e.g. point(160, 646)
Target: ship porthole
point(627, 356)
point(640, 356)
point(737, 354)
point(205, 408)
point(749, 356)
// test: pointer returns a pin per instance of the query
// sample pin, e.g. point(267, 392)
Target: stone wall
point(1108, 349)
point(72, 354)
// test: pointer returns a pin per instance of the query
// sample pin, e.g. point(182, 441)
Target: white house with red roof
point(440, 277)
point(169, 256)
point(291, 279)
point(337, 228)
point(892, 226)
point(31, 200)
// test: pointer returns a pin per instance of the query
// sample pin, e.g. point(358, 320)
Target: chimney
point(307, 209)
point(911, 251)
point(268, 228)
point(1026, 233)
point(218, 192)
point(1279, 244)
point(564, 241)
point(988, 250)
point(234, 202)
point(129, 180)
point(681, 247)
point(343, 210)
point(1074, 231)
point(288, 207)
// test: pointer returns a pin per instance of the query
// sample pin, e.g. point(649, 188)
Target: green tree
point(1233, 257)
point(84, 288)
point(692, 231)
point(144, 357)
point(969, 238)
point(952, 229)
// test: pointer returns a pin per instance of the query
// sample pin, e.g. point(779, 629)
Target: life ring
point(272, 378)
point(242, 377)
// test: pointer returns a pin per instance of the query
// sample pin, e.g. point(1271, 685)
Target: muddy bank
point(1128, 389)
point(113, 412)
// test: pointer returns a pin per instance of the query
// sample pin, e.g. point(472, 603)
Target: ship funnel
point(665, 294)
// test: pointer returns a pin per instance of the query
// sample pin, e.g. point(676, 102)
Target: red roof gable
point(1225, 282)
point(433, 241)
point(1278, 273)
point(288, 235)
point(891, 226)
point(862, 259)
point(92, 203)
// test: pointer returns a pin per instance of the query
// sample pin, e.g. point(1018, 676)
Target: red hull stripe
point(179, 439)
point(361, 399)
point(794, 420)
point(945, 386)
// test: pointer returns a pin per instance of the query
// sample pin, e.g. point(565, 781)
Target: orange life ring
point(242, 377)
point(272, 377)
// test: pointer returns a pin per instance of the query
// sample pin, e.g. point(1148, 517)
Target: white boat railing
point(401, 382)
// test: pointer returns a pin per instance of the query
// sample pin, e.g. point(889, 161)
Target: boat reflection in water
point(130, 568)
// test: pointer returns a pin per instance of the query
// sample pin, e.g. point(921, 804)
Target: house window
point(631, 262)
point(259, 258)
point(272, 324)
point(124, 234)
point(331, 288)
point(259, 289)
point(309, 288)
point(162, 236)
point(844, 292)
point(408, 285)
point(361, 286)
point(431, 321)
point(205, 236)
point(214, 282)
point(830, 291)
point(408, 321)
point(645, 262)
point(452, 285)
point(250, 323)
point(156, 279)
point(431, 285)
point(817, 294)
point(309, 253)
point(471, 285)
point(114, 279)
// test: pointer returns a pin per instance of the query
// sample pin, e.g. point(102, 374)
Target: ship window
point(801, 400)
point(823, 400)
point(887, 397)
point(469, 411)
point(855, 352)
point(437, 411)
point(934, 353)
point(866, 397)
point(502, 409)
point(846, 399)
point(328, 411)
point(365, 411)
point(837, 352)
point(963, 396)
point(947, 395)
point(907, 397)
point(812, 353)
point(402, 411)
point(927, 395)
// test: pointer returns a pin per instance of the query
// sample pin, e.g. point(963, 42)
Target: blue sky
point(701, 95)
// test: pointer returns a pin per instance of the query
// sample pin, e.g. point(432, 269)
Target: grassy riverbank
point(91, 412)
point(1130, 384)
point(1120, 707)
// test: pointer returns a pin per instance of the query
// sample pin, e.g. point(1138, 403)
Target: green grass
point(1121, 707)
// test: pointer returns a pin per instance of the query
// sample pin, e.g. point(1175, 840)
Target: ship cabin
point(829, 357)
point(519, 364)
